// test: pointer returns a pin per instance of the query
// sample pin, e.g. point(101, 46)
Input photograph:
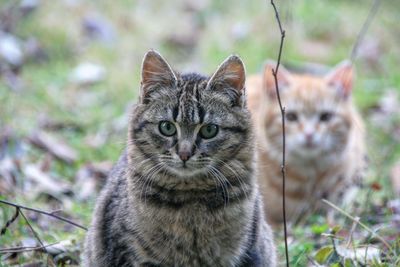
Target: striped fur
point(326, 165)
point(155, 211)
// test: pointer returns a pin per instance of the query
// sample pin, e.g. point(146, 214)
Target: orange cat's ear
point(284, 78)
point(341, 77)
point(231, 72)
point(155, 71)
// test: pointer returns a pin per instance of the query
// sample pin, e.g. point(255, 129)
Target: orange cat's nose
point(309, 139)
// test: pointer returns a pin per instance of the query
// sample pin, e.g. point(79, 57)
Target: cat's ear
point(230, 73)
point(284, 78)
point(155, 72)
point(341, 77)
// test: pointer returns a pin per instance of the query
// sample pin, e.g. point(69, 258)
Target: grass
point(317, 31)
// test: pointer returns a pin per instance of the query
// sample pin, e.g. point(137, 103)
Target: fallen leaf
point(60, 247)
point(11, 50)
point(12, 80)
point(395, 178)
point(195, 5)
point(56, 125)
point(394, 205)
point(323, 254)
point(376, 186)
point(34, 50)
point(240, 30)
point(98, 28)
point(28, 6)
point(54, 146)
point(101, 169)
point(363, 255)
point(88, 73)
point(8, 175)
point(46, 183)
point(90, 178)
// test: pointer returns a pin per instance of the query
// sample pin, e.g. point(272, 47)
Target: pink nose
point(309, 137)
point(184, 155)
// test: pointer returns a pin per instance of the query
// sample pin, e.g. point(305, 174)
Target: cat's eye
point(325, 116)
point(167, 128)
point(291, 116)
point(208, 131)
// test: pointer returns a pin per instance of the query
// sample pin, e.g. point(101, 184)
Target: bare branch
point(32, 230)
point(45, 213)
point(283, 166)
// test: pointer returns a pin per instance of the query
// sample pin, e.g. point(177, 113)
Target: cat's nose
point(185, 151)
point(184, 155)
point(309, 138)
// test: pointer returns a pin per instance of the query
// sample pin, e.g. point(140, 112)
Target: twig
point(358, 222)
point(45, 213)
point(367, 23)
point(353, 228)
point(283, 166)
point(32, 230)
point(25, 249)
point(10, 221)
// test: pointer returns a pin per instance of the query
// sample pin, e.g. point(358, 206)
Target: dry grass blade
point(360, 223)
point(367, 23)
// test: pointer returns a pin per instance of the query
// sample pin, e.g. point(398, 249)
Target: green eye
point(167, 128)
point(208, 131)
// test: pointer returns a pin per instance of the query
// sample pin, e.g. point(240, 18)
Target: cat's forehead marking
point(310, 93)
point(189, 109)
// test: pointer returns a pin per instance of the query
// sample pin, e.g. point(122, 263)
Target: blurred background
point(70, 71)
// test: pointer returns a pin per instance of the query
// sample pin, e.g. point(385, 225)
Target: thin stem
point(32, 230)
point(283, 166)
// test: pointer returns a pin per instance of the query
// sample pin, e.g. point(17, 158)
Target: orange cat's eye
point(291, 116)
point(325, 116)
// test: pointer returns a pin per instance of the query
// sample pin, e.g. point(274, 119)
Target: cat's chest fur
point(145, 234)
point(189, 237)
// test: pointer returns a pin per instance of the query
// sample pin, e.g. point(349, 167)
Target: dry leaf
point(395, 178)
point(45, 182)
point(90, 178)
point(54, 146)
point(88, 73)
point(8, 173)
point(362, 254)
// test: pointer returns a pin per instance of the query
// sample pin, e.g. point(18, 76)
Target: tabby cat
point(324, 138)
point(184, 192)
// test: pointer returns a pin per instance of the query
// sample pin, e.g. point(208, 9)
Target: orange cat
point(324, 138)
